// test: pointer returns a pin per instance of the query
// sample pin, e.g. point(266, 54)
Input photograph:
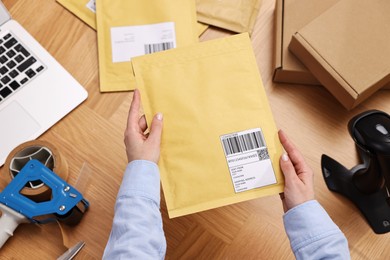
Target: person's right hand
point(298, 187)
point(139, 144)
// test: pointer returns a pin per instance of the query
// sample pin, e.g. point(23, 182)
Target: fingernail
point(285, 157)
point(159, 116)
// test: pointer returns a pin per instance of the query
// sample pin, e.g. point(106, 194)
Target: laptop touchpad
point(17, 126)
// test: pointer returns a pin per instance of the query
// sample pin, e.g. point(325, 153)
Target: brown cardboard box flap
point(290, 16)
point(347, 50)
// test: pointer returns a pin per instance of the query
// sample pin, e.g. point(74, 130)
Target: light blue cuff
point(307, 223)
point(141, 179)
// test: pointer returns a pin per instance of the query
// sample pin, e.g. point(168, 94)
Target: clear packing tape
point(44, 152)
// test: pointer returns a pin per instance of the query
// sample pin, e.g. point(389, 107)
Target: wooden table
point(93, 134)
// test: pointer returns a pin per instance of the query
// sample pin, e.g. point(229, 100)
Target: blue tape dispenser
point(66, 205)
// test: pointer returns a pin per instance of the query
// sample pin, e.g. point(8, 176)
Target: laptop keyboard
point(18, 65)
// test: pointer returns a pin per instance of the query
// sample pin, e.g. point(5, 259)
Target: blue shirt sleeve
point(137, 231)
point(313, 234)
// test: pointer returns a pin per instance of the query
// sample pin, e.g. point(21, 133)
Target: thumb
point(156, 129)
point(287, 168)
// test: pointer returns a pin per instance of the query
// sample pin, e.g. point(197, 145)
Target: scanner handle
point(384, 162)
point(367, 176)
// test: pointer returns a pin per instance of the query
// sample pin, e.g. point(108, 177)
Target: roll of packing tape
point(44, 152)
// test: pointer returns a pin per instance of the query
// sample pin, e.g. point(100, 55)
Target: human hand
point(298, 187)
point(141, 146)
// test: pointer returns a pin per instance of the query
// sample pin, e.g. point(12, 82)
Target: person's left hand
point(141, 146)
point(298, 176)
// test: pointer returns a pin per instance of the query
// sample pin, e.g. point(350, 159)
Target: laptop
point(35, 90)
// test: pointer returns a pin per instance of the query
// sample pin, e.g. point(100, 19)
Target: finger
point(134, 109)
point(288, 169)
point(156, 130)
point(294, 155)
point(301, 169)
point(143, 124)
point(287, 144)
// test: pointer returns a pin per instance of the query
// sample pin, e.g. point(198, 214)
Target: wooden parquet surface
point(93, 134)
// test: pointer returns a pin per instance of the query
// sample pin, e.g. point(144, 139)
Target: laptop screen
point(4, 15)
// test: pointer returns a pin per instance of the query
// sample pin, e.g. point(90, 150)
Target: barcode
point(263, 154)
point(243, 143)
point(155, 47)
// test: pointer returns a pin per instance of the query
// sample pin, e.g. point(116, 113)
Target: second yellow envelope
point(115, 17)
point(233, 15)
point(84, 9)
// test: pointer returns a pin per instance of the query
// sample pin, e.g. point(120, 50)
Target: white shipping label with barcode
point(91, 5)
point(131, 41)
point(248, 160)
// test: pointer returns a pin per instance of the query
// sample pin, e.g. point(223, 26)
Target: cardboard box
point(347, 49)
point(290, 16)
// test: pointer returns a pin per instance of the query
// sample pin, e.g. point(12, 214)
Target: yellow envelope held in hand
point(232, 15)
point(84, 9)
point(219, 142)
point(129, 28)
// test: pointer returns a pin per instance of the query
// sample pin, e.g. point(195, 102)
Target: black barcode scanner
point(367, 184)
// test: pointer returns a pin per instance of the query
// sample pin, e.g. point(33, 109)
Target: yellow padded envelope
point(120, 14)
point(208, 92)
point(233, 15)
point(84, 9)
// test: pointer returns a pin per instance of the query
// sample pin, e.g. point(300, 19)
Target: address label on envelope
point(131, 41)
point(248, 160)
